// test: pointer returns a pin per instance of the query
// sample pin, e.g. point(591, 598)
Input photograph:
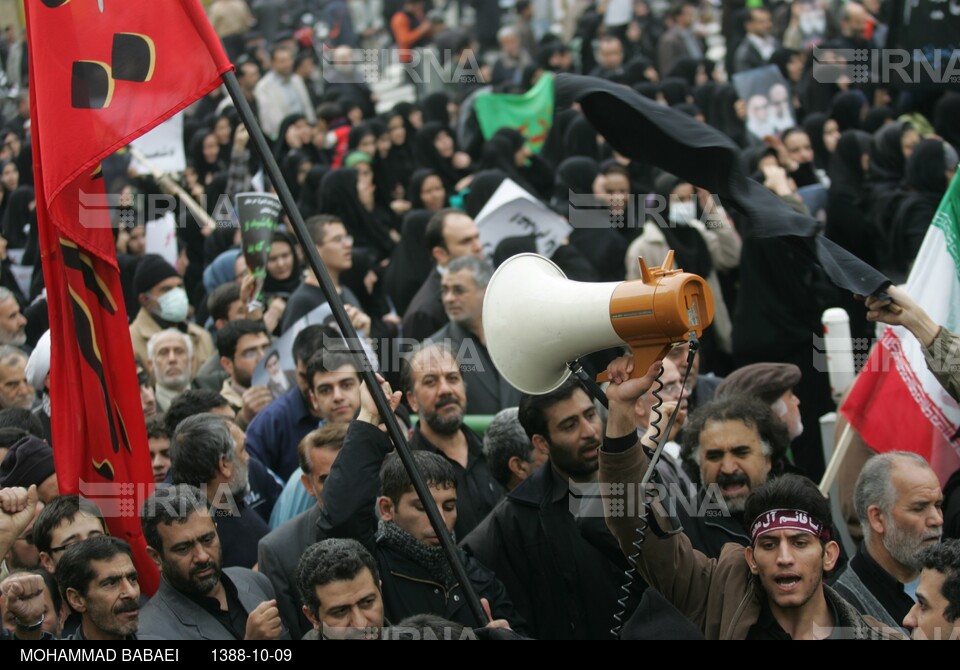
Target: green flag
point(530, 113)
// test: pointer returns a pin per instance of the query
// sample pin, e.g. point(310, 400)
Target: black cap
point(151, 270)
point(29, 462)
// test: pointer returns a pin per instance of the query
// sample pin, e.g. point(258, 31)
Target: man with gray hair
point(510, 454)
point(13, 324)
point(15, 391)
point(462, 289)
point(207, 452)
point(898, 501)
point(199, 598)
point(170, 355)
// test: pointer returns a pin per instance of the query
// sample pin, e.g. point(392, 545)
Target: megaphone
point(536, 320)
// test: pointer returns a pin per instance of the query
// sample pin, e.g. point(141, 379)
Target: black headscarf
point(485, 183)
point(723, 115)
point(338, 196)
point(17, 216)
point(281, 148)
point(781, 58)
point(846, 202)
point(410, 262)
point(813, 124)
point(290, 169)
point(435, 109)
point(581, 140)
point(925, 184)
point(877, 118)
point(886, 156)
point(635, 69)
point(575, 174)
point(686, 69)
point(675, 90)
point(427, 156)
point(691, 250)
point(286, 286)
point(946, 118)
point(195, 153)
point(308, 204)
point(498, 154)
point(416, 185)
point(846, 109)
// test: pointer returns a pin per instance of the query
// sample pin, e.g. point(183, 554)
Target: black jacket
point(409, 589)
point(349, 496)
point(563, 574)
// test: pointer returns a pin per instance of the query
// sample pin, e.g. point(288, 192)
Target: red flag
point(107, 72)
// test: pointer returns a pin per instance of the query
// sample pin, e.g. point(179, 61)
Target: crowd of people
point(281, 510)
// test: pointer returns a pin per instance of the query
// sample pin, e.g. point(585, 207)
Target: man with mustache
point(15, 390)
point(13, 324)
point(737, 443)
point(198, 599)
point(898, 501)
point(98, 581)
point(544, 534)
point(435, 389)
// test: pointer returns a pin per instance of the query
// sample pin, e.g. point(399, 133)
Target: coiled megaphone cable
point(644, 503)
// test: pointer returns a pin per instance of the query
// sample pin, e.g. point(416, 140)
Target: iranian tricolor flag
point(896, 403)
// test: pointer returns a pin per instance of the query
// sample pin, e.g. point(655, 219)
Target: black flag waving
point(647, 131)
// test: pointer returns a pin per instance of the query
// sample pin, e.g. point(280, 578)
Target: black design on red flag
point(118, 69)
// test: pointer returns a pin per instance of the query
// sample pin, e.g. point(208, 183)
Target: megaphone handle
point(643, 358)
point(592, 387)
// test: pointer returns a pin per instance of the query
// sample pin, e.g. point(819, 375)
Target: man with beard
point(434, 389)
point(415, 573)
point(171, 359)
point(561, 566)
point(772, 589)
point(15, 391)
point(98, 580)
point(241, 344)
point(736, 443)
point(207, 452)
point(198, 599)
point(13, 325)
point(898, 500)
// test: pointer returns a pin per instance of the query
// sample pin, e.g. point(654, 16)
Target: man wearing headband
point(772, 589)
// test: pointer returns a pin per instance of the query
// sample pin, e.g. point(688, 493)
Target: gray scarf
point(433, 559)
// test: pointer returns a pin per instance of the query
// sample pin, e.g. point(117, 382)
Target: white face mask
point(682, 212)
point(173, 305)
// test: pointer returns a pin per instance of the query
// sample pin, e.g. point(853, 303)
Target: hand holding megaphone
point(536, 320)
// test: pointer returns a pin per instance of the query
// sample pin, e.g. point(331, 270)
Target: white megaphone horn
point(536, 320)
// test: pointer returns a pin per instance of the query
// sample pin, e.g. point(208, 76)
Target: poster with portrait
point(767, 95)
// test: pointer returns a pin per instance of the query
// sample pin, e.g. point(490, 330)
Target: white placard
point(513, 212)
point(163, 147)
point(162, 238)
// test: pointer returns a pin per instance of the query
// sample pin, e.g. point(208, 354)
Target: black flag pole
point(340, 314)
